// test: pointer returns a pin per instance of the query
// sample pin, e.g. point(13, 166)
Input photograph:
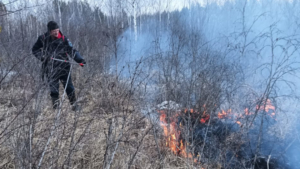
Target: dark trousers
point(54, 86)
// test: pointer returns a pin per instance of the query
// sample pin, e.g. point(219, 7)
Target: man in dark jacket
point(50, 48)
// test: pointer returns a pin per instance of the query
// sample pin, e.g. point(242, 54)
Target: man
point(50, 48)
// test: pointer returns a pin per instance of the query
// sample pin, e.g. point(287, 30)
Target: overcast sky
point(143, 6)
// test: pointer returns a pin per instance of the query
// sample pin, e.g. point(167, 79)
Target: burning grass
point(218, 139)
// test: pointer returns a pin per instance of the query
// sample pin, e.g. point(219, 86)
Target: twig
point(269, 157)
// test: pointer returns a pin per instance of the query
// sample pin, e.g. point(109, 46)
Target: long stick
point(67, 61)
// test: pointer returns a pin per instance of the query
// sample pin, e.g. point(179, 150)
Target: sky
point(153, 6)
point(143, 6)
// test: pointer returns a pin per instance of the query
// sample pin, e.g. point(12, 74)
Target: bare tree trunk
point(59, 15)
point(134, 20)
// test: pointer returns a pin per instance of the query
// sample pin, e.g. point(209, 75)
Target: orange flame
point(176, 145)
point(171, 133)
point(266, 106)
point(205, 118)
point(224, 114)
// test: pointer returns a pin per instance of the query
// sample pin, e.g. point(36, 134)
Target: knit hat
point(52, 25)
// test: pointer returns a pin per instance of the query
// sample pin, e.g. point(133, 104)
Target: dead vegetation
point(108, 132)
point(115, 129)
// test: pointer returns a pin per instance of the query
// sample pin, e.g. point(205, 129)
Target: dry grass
point(81, 139)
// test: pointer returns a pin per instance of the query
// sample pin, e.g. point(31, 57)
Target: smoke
point(260, 36)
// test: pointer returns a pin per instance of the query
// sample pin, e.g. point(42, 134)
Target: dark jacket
point(46, 48)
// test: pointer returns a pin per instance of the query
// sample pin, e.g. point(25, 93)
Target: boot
point(73, 102)
point(55, 103)
point(76, 107)
point(72, 98)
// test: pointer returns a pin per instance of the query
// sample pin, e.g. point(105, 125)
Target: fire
point(224, 114)
point(266, 106)
point(169, 132)
point(190, 110)
point(171, 126)
point(176, 145)
point(164, 123)
point(204, 118)
point(247, 112)
point(183, 151)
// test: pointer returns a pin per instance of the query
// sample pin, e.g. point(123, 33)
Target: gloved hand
point(83, 62)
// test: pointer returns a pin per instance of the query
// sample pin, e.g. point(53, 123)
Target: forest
point(166, 84)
